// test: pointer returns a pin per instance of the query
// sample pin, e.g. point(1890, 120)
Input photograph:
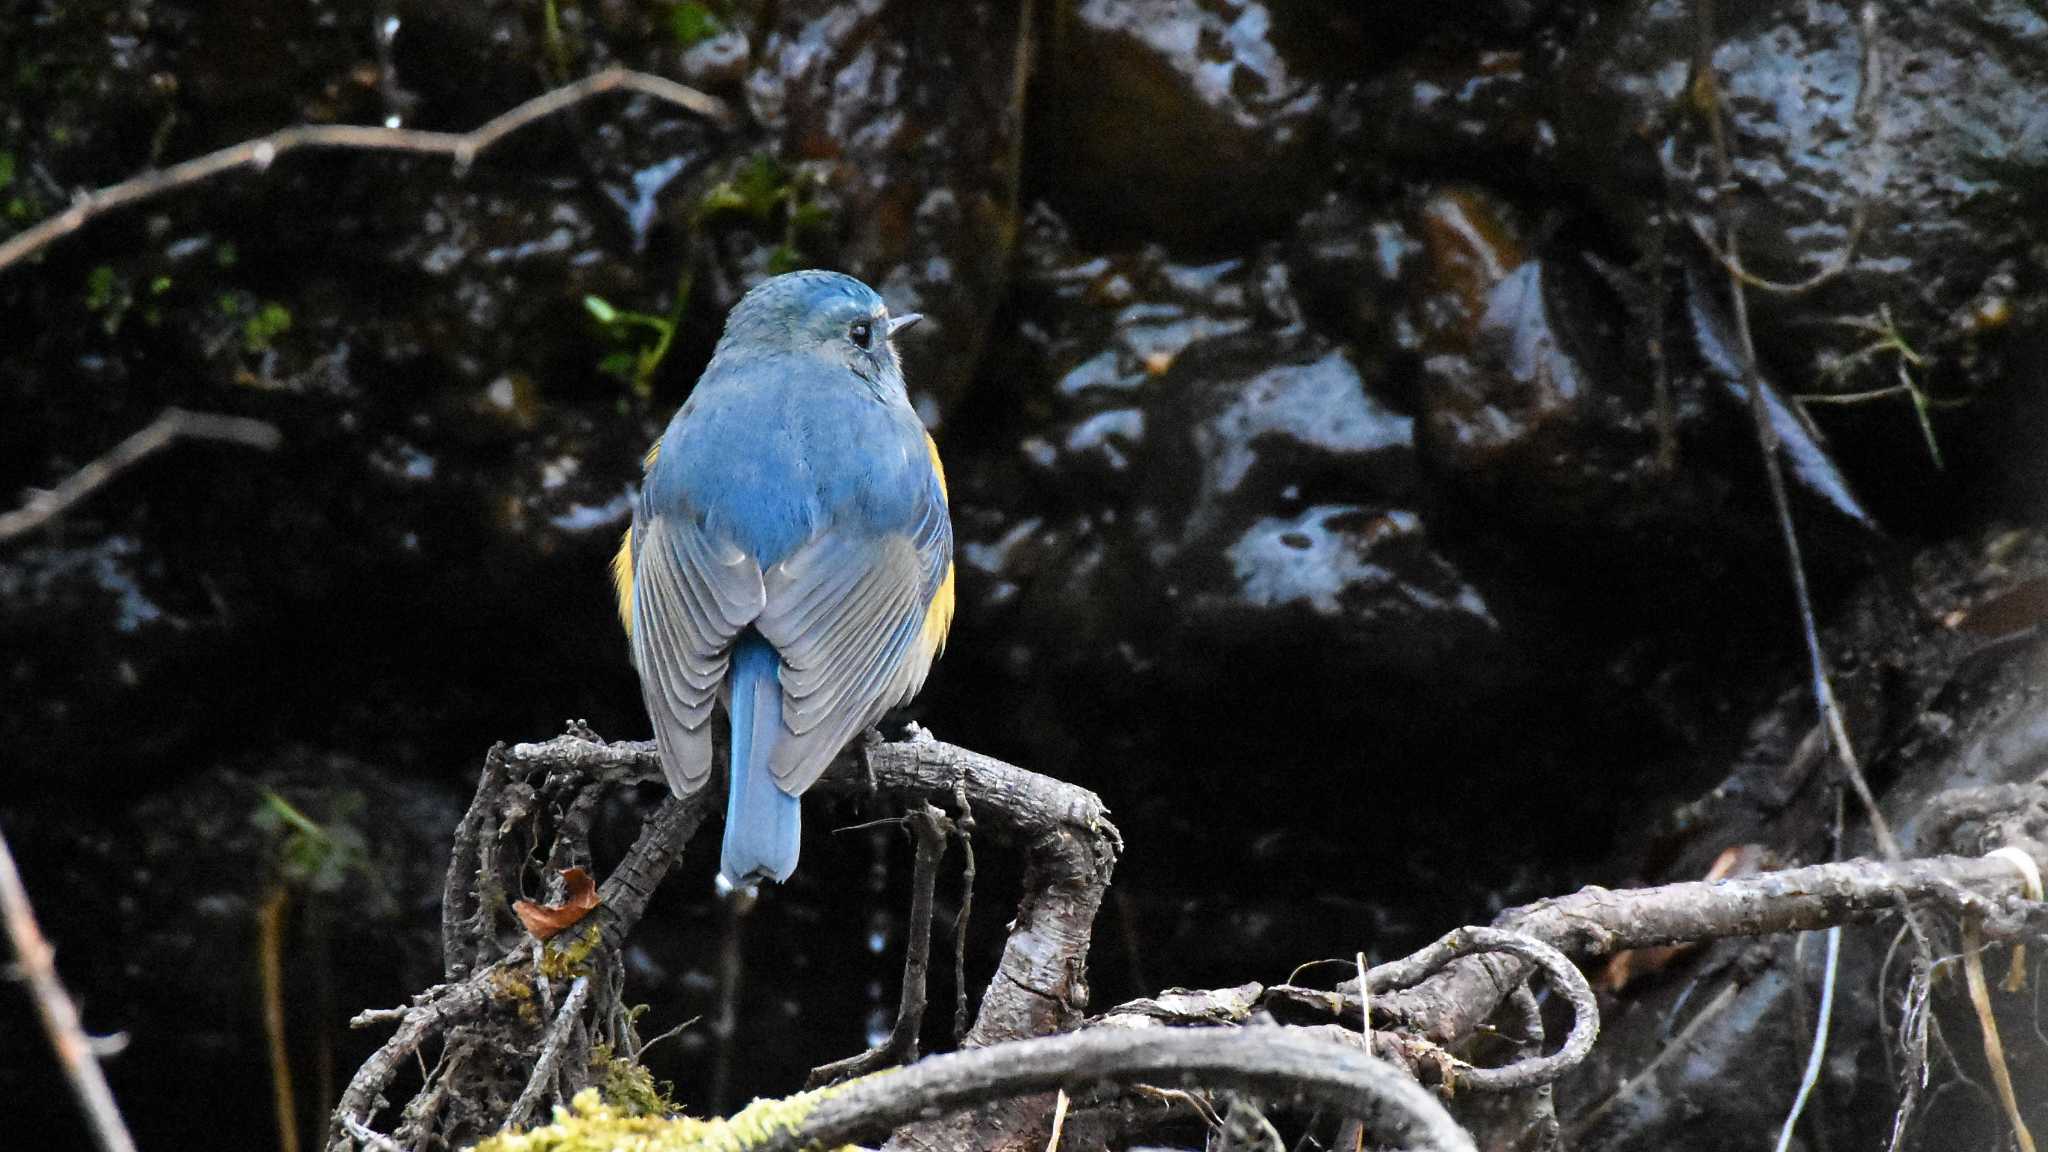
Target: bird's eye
point(862, 333)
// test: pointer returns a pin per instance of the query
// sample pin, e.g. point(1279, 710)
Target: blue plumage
point(791, 555)
point(763, 824)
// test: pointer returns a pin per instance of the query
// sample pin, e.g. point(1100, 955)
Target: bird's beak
point(899, 323)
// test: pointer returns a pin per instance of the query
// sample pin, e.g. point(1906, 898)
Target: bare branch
point(1276, 1064)
point(259, 154)
point(1069, 844)
point(1565, 977)
point(38, 964)
point(544, 1068)
point(170, 425)
point(1451, 1005)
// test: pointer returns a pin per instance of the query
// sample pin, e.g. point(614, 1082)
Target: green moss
point(693, 22)
point(628, 1087)
point(515, 987)
point(566, 959)
point(99, 289)
point(108, 296)
point(591, 1125)
point(755, 190)
point(260, 331)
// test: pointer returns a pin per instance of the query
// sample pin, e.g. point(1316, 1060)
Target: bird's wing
point(693, 593)
point(849, 613)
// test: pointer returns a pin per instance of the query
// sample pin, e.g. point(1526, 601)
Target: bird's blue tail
point(763, 824)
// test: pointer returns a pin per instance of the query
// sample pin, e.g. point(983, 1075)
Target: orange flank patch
point(622, 580)
point(938, 617)
point(622, 562)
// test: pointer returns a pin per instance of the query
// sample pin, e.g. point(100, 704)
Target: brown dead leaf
point(2017, 609)
point(544, 921)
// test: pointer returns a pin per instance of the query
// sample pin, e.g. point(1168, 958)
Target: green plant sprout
point(692, 22)
point(760, 193)
point(310, 855)
point(636, 361)
point(1886, 339)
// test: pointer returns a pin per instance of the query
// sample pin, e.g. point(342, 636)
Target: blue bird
point(791, 556)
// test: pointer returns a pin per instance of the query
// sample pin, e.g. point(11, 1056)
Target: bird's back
point(766, 456)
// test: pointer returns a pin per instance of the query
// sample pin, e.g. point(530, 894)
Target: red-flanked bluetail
point(791, 556)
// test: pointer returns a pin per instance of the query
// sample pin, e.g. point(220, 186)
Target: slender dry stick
point(170, 425)
point(1822, 681)
point(1767, 438)
point(543, 1077)
point(270, 959)
point(732, 971)
point(963, 828)
point(900, 1046)
point(259, 154)
point(1994, 1048)
point(1816, 1057)
point(38, 964)
point(1059, 1122)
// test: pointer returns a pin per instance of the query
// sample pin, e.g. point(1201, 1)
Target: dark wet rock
point(1945, 160)
point(1477, 112)
point(1590, 120)
point(1938, 672)
point(1183, 117)
point(1200, 534)
point(916, 126)
point(154, 911)
point(1941, 157)
point(1218, 477)
point(1544, 404)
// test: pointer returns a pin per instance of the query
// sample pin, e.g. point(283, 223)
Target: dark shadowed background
point(1351, 475)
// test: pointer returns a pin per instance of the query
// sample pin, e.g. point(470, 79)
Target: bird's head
point(824, 315)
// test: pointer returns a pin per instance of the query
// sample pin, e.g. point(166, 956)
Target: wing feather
point(693, 594)
point(847, 612)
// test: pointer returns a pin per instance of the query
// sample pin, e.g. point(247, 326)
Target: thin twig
point(732, 974)
point(270, 961)
point(170, 425)
point(1364, 1001)
point(38, 964)
point(901, 1044)
point(1767, 438)
point(1599, 922)
point(365, 1091)
point(1059, 1122)
point(543, 1078)
point(259, 154)
point(1818, 1055)
point(1994, 1048)
point(370, 1138)
point(963, 828)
